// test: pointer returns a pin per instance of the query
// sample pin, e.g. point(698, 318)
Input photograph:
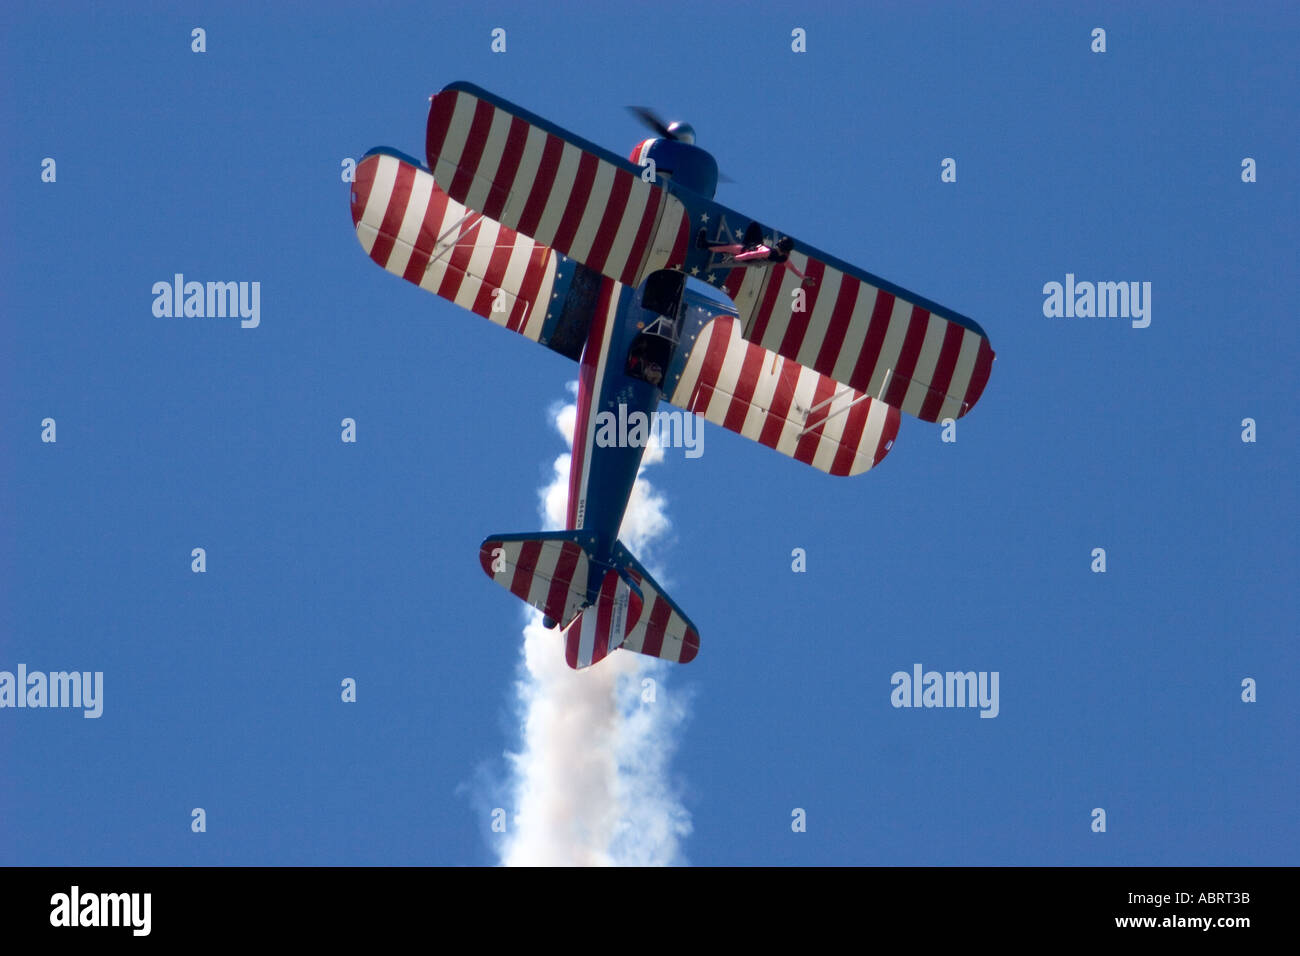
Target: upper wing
point(412, 228)
point(762, 395)
point(856, 328)
point(567, 193)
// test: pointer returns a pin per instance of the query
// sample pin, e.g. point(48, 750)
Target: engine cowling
point(684, 163)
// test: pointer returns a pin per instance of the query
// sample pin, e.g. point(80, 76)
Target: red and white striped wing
point(875, 340)
point(784, 405)
point(571, 195)
point(550, 573)
point(412, 228)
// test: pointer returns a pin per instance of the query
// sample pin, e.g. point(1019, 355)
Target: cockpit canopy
point(652, 348)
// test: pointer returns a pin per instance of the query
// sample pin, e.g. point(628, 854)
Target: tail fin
point(601, 605)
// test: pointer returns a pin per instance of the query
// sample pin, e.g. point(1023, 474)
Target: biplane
point(589, 254)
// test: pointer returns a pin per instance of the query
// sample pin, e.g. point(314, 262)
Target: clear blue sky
point(1118, 690)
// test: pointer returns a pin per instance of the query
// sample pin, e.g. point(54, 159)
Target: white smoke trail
point(591, 785)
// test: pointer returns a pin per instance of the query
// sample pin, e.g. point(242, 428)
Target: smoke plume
point(591, 782)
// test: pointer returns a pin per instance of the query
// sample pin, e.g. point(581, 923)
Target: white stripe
point(437, 265)
point(565, 177)
point(961, 375)
point(624, 242)
point(512, 279)
point(597, 200)
point(671, 214)
point(536, 316)
point(489, 160)
point(587, 635)
point(765, 395)
point(381, 190)
point(485, 241)
point(892, 347)
point(804, 391)
point(539, 584)
point(620, 250)
point(728, 375)
point(923, 374)
point(681, 396)
point(832, 427)
point(856, 335)
point(819, 322)
point(453, 146)
point(409, 232)
point(752, 288)
point(877, 417)
point(525, 176)
point(779, 320)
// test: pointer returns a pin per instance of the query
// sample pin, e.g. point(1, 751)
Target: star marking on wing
point(711, 277)
point(704, 217)
point(695, 270)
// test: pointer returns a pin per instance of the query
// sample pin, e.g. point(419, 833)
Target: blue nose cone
point(686, 165)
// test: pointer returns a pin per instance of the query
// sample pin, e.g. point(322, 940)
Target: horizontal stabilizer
point(603, 627)
point(552, 572)
point(547, 570)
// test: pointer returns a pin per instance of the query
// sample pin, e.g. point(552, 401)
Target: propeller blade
point(651, 119)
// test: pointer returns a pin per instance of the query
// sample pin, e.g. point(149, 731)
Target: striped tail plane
point(601, 605)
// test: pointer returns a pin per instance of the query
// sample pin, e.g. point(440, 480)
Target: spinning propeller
point(677, 130)
point(681, 132)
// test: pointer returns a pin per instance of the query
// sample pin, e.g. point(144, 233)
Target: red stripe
point(907, 356)
point(539, 264)
point(943, 370)
point(441, 111)
point(557, 598)
point(887, 434)
point(980, 376)
point(655, 627)
point(361, 188)
point(851, 439)
point(495, 271)
point(735, 279)
point(743, 389)
point(610, 220)
point(806, 447)
point(522, 581)
point(434, 214)
point(572, 640)
point(764, 313)
point(486, 558)
point(690, 646)
point(394, 214)
point(865, 367)
point(458, 261)
point(633, 267)
point(467, 166)
point(541, 187)
point(776, 416)
point(633, 611)
point(845, 302)
point(577, 202)
point(677, 257)
point(635, 156)
point(797, 324)
point(504, 180)
point(711, 367)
